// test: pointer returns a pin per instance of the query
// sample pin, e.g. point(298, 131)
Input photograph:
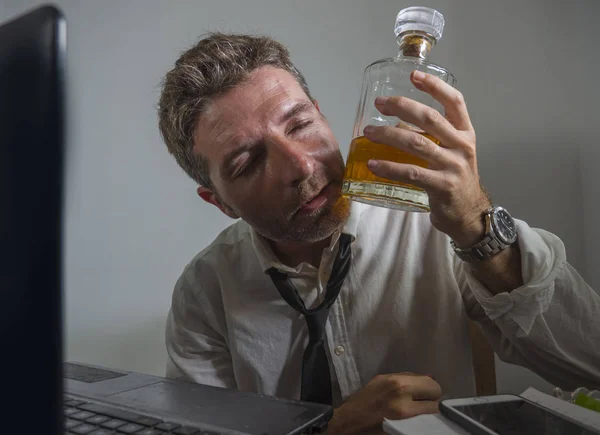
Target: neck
point(293, 253)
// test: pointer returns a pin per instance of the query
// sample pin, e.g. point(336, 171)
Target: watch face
point(504, 225)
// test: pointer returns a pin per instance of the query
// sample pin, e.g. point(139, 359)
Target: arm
point(501, 273)
point(537, 311)
point(451, 180)
point(196, 348)
point(550, 324)
point(394, 396)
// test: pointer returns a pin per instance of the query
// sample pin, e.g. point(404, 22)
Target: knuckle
point(418, 143)
point(398, 384)
point(453, 183)
point(470, 154)
point(432, 117)
point(469, 147)
point(413, 173)
point(437, 152)
point(466, 166)
point(459, 99)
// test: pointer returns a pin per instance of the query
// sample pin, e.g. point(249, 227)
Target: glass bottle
point(417, 30)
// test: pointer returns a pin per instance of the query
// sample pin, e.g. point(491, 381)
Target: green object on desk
point(588, 402)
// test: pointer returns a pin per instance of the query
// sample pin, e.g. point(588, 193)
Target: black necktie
point(316, 381)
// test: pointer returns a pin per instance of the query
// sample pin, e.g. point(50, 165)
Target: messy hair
point(216, 64)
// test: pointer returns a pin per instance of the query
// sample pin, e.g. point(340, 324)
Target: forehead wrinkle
point(271, 98)
point(256, 89)
point(288, 98)
point(223, 143)
point(222, 132)
point(213, 122)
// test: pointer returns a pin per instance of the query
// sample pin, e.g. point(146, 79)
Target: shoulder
point(233, 238)
point(197, 294)
point(219, 257)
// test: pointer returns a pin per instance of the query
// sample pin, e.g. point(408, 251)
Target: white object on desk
point(426, 424)
point(437, 424)
point(585, 417)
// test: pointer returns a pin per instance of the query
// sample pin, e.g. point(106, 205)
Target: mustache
point(310, 189)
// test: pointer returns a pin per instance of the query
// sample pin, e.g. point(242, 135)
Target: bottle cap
point(422, 19)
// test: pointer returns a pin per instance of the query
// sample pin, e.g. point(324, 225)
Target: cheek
point(329, 142)
point(251, 196)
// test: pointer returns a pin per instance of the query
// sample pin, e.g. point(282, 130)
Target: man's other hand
point(394, 396)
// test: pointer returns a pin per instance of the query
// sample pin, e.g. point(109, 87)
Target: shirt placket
point(342, 353)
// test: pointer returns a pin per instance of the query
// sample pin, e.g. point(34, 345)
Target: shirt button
point(339, 350)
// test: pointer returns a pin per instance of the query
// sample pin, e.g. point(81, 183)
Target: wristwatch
point(500, 233)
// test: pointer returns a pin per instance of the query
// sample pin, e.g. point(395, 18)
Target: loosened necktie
point(316, 380)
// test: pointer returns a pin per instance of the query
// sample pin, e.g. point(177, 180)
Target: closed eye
point(248, 165)
point(299, 126)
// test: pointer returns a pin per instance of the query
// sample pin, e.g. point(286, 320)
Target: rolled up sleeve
point(551, 324)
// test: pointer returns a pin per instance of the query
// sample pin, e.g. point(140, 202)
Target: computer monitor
point(32, 65)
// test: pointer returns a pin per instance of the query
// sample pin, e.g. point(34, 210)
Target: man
point(240, 120)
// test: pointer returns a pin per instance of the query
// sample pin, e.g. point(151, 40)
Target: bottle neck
point(415, 44)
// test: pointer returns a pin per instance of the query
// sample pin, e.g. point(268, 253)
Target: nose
point(294, 160)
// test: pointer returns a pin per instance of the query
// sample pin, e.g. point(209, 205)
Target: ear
point(211, 197)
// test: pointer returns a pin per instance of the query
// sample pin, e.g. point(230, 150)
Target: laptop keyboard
point(98, 419)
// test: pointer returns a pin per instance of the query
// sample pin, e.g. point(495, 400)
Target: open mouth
point(318, 201)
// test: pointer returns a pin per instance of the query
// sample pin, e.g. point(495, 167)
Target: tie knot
point(316, 322)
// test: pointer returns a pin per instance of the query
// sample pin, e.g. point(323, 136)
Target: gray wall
point(132, 217)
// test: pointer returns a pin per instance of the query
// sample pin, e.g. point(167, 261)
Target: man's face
point(273, 159)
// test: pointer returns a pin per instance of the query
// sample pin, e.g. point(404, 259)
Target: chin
point(323, 223)
point(310, 228)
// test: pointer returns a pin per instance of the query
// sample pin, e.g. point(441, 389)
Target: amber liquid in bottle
point(362, 150)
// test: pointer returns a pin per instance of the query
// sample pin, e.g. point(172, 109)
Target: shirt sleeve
point(551, 324)
point(196, 350)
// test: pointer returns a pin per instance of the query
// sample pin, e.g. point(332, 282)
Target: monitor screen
point(32, 53)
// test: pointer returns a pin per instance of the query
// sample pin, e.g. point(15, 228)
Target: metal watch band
point(488, 247)
point(491, 243)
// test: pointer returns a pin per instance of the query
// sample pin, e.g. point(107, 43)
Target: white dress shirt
point(403, 308)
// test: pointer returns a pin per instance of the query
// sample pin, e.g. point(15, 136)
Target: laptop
point(42, 394)
point(150, 405)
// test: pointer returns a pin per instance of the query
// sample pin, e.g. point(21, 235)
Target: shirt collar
point(268, 259)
